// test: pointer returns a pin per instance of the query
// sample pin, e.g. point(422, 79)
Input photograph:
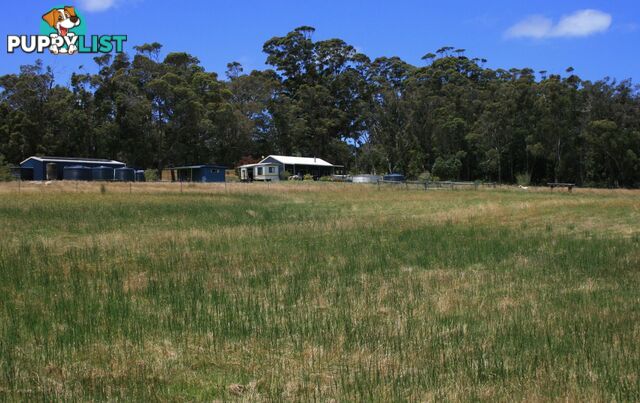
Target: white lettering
point(27, 45)
point(70, 40)
point(13, 41)
point(43, 43)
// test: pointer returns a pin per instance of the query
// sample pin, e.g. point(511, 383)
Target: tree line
point(451, 118)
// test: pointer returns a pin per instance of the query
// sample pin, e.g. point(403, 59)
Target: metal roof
point(198, 166)
point(74, 159)
point(283, 159)
point(258, 164)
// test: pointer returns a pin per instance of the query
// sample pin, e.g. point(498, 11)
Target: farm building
point(196, 173)
point(53, 168)
point(271, 168)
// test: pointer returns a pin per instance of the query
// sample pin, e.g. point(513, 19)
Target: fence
point(234, 187)
point(435, 185)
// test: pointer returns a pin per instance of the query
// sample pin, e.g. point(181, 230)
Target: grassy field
point(318, 292)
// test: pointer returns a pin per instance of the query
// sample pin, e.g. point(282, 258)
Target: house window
point(271, 170)
point(215, 170)
point(259, 170)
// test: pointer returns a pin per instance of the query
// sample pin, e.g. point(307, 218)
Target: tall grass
point(336, 293)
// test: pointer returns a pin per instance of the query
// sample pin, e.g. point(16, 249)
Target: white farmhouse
point(272, 167)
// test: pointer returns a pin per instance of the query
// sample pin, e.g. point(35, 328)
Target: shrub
point(151, 175)
point(5, 171)
point(448, 169)
point(425, 176)
point(284, 175)
point(308, 177)
point(523, 179)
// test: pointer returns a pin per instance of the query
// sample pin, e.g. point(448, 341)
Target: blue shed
point(199, 173)
point(52, 168)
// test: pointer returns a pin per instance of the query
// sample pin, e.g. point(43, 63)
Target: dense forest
point(451, 117)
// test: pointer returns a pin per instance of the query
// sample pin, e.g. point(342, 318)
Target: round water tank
point(394, 178)
point(140, 176)
point(76, 173)
point(102, 173)
point(124, 174)
point(365, 179)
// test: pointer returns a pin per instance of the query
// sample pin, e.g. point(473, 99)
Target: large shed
point(52, 168)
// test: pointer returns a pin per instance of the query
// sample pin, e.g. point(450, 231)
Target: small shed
point(52, 168)
point(199, 173)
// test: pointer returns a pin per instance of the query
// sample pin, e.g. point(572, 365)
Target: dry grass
point(317, 292)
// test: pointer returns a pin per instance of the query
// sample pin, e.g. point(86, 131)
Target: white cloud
point(579, 24)
point(535, 26)
point(96, 5)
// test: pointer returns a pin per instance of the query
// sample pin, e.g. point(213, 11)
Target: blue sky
point(597, 38)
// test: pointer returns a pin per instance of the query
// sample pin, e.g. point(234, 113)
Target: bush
point(284, 175)
point(231, 177)
point(151, 175)
point(326, 179)
point(448, 169)
point(308, 177)
point(425, 176)
point(523, 179)
point(5, 171)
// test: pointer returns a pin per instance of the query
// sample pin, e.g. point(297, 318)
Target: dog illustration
point(62, 20)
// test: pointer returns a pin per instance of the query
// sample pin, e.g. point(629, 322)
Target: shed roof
point(74, 160)
point(199, 166)
point(288, 160)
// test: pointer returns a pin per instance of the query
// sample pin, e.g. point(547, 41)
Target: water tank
point(102, 173)
point(365, 179)
point(394, 178)
point(76, 173)
point(52, 171)
point(124, 174)
point(140, 176)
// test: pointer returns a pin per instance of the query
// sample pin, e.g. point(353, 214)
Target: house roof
point(283, 159)
point(261, 164)
point(74, 160)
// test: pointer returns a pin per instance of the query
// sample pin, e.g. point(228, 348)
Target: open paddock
point(325, 291)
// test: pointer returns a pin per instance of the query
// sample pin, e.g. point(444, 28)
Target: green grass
point(345, 293)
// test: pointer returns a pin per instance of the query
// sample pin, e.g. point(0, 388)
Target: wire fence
point(104, 187)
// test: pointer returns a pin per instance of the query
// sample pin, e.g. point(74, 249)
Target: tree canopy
point(451, 117)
